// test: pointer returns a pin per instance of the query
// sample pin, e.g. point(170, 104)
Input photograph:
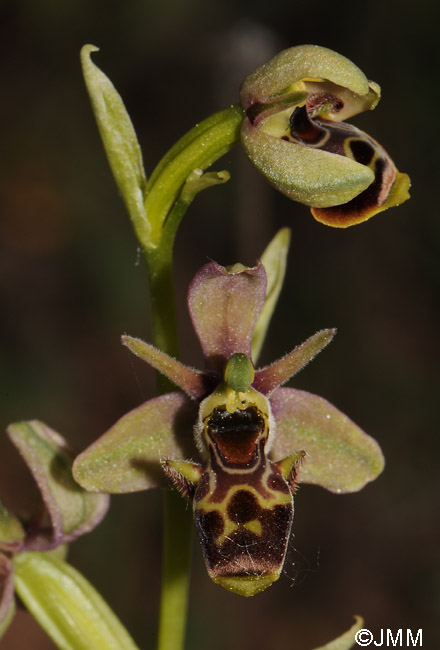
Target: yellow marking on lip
point(230, 527)
point(254, 526)
point(205, 505)
point(278, 498)
point(246, 585)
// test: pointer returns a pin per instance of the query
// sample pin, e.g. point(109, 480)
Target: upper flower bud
point(293, 134)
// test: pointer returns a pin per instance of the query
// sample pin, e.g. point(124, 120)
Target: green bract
point(119, 139)
point(295, 135)
point(156, 206)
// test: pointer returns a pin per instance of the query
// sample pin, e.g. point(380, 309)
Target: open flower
point(295, 135)
point(249, 441)
point(66, 511)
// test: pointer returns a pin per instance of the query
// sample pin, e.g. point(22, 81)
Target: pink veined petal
point(127, 457)
point(339, 455)
point(269, 378)
point(224, 306)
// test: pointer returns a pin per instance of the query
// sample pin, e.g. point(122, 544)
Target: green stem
point(175, 572)
point(177, 517)
point(164, 208)
point(163, 312)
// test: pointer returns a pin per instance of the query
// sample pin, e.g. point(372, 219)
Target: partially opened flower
point(65, 512)
point(295, 135)
point(233, 441)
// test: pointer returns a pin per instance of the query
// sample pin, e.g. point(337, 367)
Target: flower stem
point(164, 208)
point(177, 518)
point(175, 572)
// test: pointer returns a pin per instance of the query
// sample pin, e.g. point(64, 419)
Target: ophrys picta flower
point(233, 442)
point(295, 135)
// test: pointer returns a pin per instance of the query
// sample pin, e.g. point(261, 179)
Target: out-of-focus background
point(71, 282)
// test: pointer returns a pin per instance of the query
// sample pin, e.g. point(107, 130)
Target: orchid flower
point(234, 442)
point(295, 135)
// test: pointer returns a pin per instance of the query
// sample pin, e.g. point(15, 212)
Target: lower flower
point(249, 441)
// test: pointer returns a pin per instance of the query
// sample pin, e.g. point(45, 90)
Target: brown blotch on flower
point(368, 202)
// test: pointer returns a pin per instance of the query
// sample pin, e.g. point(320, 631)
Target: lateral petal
point(189, 380)
point(269, 378)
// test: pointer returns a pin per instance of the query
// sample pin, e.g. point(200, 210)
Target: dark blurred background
point(71, 282)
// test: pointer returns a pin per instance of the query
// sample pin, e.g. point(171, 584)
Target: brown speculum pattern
point(345, 140)
point(243, 505)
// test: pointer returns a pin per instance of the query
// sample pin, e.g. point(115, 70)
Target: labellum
point(243, 502)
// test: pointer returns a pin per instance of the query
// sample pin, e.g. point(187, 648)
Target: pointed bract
point(339, 455)
point(274, 260)
point(119, 139)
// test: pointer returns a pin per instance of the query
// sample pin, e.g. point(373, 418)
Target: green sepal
point(120, 141)
point(11, 531)
point(224, 303)
point(127, 458)
point(274, 260)
point(72, 510)
point(305, 174)
point(279, 76)
point(346, 640)
point(67, 606)
point(339, 455)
